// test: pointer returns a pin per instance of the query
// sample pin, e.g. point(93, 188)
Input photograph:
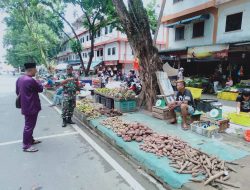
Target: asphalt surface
point(65, 161)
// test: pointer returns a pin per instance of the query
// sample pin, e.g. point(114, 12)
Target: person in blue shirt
point(50, 82)
point(58, 97)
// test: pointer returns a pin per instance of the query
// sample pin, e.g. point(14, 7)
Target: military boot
point(64, 124)
point(69, 121)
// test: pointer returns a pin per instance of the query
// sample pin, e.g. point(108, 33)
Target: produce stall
point(168, 152)
point(123, 100)
point(171, 155)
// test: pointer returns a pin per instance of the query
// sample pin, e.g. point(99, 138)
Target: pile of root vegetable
point(94, 110)
point(128, 131)
point(109, 112)
point(184, 158)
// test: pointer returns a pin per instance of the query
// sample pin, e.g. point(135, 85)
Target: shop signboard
point(210, 52)
point(110, 63)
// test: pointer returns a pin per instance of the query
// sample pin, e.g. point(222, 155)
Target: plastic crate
point(240, 119)
point(97, 98)
point(103, 100)
point(125, 106)
point(232, 96)
point(196, 92)
point(208, 131)
point(109, 103)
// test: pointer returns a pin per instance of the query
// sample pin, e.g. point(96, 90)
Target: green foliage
point(75, 46)
point(32, 32)
point(152, 17)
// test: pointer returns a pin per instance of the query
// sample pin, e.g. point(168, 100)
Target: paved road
point(65, 161)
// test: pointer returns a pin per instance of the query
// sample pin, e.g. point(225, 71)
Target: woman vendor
point(243, 101)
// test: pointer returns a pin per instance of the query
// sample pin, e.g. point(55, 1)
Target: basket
point(240, 119)
point(125, 106)
point(196, 92)
point(103, 100)
point(109, 103)
point(208, 131)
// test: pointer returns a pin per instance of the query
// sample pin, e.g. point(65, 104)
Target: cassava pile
point(185, 159)
point(114, 123)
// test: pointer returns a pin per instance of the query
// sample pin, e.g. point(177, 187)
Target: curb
point(93, 130)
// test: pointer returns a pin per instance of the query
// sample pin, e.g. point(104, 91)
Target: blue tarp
point(160, 166)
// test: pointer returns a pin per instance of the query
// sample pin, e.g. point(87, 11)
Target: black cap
point(29, 65)
point(246, 92)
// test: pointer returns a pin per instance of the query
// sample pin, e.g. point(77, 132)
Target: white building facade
point(111, 48)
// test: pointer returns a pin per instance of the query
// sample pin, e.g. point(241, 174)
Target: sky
point(2, 29)
point(71, 14)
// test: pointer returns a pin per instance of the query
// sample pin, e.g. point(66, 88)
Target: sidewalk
point(228, 147)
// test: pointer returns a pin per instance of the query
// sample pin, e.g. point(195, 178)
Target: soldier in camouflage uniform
point(70, 89)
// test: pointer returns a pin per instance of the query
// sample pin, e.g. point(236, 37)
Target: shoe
point(64, 124)
point(69, 121)
point(30, 149)
point(36, 142)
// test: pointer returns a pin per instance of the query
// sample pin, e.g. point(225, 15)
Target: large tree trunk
point(92, 39)
point(134, 20)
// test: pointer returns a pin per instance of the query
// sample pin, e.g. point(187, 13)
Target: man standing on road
point(28, 88)
point(70, 90)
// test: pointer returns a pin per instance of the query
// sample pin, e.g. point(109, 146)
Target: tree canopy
point(33, 32)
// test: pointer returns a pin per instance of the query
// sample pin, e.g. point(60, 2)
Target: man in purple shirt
point(28, 89)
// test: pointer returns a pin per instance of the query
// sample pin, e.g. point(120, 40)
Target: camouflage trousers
point(69, 105)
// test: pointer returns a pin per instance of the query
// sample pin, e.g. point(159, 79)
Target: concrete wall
point(232, 8)
point(188, 36)
point(111, 57)
point(172, 8)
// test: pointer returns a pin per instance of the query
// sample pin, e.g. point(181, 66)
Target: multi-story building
point(111, 47)
point(205, 33)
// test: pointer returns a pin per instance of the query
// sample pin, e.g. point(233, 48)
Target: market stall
point(121, 99)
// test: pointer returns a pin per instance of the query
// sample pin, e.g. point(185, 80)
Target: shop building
point(111, 48)
point(209, 32)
